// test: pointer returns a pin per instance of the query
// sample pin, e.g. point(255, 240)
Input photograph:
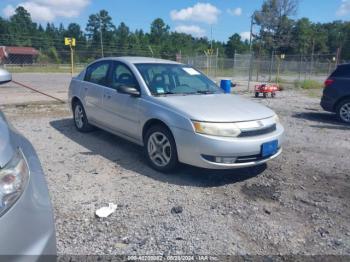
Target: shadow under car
point(130, 156)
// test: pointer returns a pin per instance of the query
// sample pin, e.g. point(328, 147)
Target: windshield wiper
point(164, 93)
point(205, 92)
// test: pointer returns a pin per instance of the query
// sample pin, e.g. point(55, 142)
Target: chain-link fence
point(283, 69)
point(28, 59)
point(244, 68)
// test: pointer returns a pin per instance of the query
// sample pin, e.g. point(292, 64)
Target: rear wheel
point(80, 119)
point(265, 95)
point(343, 111)
point(160, 148)
point(273, 94)
point(256, 94)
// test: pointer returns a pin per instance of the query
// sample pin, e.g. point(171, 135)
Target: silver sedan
point(26, 216)
point(174, 111)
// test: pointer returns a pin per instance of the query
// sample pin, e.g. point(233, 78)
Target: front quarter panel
point(27, 228)
point(150, 110)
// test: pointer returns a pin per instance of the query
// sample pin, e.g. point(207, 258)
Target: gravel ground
point(296, 204)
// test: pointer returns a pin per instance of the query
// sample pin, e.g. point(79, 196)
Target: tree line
point(276, 33)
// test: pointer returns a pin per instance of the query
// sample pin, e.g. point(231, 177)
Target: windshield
point(165, 79)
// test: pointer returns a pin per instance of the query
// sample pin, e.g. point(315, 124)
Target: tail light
point(328, 82)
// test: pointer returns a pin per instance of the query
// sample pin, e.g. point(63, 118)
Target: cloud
point(344, 8)
point(200, 12)
point(49, 10)
point(245, 36)
point(190, 29)
point(235, 11)
point(9, 11)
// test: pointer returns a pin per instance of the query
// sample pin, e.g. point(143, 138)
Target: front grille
point(247, 159)
point(258, 132)
point(253, 158)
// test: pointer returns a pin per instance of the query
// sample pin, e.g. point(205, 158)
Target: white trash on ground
point(106, 211)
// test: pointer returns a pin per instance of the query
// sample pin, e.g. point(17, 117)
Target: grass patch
point(308, 84)
point(42, 69)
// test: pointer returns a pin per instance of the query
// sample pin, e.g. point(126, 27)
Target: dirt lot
point(296, 204)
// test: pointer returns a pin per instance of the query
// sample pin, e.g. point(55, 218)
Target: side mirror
point(5, 76)
point(128, 90)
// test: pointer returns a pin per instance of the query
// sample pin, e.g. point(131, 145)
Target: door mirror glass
point(5, 76)
point(123, 89)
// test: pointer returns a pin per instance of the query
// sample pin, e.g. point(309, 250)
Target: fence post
point(271, 64)
point(250, 70)
point(300, 64)
point(257, 67)
point(234, 64)
point(216, 61)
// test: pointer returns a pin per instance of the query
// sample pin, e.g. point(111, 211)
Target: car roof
point(344, 65)
point(139, 60)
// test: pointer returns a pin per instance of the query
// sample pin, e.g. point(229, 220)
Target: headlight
point(217, 129)
point(13, 180)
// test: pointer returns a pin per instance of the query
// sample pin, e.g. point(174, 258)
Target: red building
point(18, 55)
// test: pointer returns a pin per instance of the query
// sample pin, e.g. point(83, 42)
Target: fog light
point(225, 160)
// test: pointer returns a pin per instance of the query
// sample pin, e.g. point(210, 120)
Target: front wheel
point(343, 111)
point(160, 149)
point(80, 119)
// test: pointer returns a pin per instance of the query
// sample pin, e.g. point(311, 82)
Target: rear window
point(342, 71)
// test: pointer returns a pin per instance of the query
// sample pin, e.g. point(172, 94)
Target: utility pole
point(101, 40)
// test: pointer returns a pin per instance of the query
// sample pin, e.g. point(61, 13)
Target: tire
point(80, 119)
point(343, 111)
point(273, 94)
point(256, 94)
point(160, 149)
point(265, 95)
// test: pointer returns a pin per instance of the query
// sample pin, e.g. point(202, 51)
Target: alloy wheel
point(79, 116)
point(344, 112)
point(159, 149)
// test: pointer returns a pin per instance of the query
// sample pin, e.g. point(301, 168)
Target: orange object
point(265, 89)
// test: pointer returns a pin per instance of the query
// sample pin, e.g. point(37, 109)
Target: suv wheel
point(343, 111)
point(160, 149)
point(80, 119)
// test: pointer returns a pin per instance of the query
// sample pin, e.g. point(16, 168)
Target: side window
point(97, 73)
point(122, 75)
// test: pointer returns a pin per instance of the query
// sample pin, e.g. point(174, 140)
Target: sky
point(218, 19)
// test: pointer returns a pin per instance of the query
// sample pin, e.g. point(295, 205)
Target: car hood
point(216, 107)
point(6, 148)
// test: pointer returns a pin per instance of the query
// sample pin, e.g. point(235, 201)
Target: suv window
point(97, 73)
point(122, 75)
point(342, 71)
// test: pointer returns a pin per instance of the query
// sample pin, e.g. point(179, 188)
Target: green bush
point(53, 55)
point(308, 84)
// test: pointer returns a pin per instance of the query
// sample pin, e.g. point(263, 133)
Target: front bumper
point(27, 228)
point(191, 148)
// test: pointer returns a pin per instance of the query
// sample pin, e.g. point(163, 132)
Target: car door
point(121, 110)
point(95, 79)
